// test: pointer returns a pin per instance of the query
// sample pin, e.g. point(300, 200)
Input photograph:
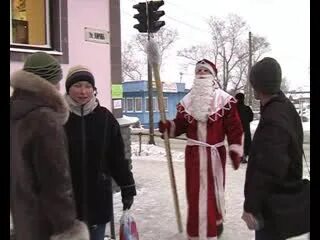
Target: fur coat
point(41, 196)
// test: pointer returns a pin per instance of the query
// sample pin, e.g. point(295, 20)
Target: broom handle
point(167, 146)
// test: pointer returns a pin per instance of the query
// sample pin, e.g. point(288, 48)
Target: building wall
point(92, 14)
point(139, 89)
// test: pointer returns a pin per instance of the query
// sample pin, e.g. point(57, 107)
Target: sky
point(284, 23)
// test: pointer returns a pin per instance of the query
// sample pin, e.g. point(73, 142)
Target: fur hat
point(43, 65)
point(204, 63)
point(79, 73)
point(265, 76)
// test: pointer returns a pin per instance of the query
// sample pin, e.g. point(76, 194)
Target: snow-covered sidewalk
point(153, 207)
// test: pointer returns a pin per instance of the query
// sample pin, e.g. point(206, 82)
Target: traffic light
point(141, 17)
point(154, 15)
point(151, 23)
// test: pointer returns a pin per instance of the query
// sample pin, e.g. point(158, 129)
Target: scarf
point(76, 107)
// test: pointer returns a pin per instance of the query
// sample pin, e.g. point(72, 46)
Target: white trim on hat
point(206, 65)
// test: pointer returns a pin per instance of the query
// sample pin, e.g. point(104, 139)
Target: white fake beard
point(201, 95)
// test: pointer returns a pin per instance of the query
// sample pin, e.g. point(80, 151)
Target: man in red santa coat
point(206, 115)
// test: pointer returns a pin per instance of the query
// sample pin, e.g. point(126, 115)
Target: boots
point(244, 159)
point(219, 229)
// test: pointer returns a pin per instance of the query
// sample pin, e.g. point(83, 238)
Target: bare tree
point(260, 46)
point(285, 86)
point(229, 50)
point(165, 38)
point(134, 60)
point(197, 52)
point(132, 66)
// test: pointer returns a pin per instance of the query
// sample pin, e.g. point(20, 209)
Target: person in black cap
point(41, 196)
point(246, 116)
point(275, 158)
point(96, 152)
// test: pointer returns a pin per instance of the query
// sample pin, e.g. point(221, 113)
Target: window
point(165, 102)
point(30, 23)
point(129, 105)
point(154, 104)
point(138, 104)
point(39, 25)
point(124, 109)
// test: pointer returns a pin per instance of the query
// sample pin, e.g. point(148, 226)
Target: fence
point(140, 134)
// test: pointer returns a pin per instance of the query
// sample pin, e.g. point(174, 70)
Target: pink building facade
point(83, 32)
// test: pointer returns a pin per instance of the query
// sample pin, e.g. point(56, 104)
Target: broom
point(154, 59)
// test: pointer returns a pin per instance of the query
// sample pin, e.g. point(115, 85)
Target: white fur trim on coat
point(31, 82)
point(220, 101)
point(78, 231)
point(237, 148)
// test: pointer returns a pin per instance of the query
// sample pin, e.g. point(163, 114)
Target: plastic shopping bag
point(128, 227)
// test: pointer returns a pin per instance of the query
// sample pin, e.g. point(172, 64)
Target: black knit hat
point(79, 73)
point(240, 97)
point(265, 76)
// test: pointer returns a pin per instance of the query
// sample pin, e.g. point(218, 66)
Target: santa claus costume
point(206, 115)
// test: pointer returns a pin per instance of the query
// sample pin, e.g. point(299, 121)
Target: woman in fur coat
point(96, 153)
point(41, 197)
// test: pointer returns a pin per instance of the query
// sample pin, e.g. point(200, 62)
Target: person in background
point(96, 152)
point(275, 157)
point(41, 196)
point(206, 115)
point(246, 116)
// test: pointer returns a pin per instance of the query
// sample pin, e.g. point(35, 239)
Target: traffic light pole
point(150, 99)
point(148, 17)
point(150, 95)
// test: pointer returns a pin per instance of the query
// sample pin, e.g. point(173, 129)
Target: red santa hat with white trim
point(204, 63)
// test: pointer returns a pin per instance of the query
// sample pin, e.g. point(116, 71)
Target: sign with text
point(96, 35)
point(117, 91)
point(117, 104)
point(166, 87)
point(169, 87)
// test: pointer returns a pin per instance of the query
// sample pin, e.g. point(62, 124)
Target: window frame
point(124, 103)
point(48, 28)
point(59, 27)
point(135, 104)
point(166, 101)
point(154, 104)
point(132, 99)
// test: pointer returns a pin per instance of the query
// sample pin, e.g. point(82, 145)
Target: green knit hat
point(45, 66)
point(265, 76)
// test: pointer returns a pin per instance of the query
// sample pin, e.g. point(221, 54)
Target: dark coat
point(276, 153)
point(96, 152)
point(41, 198)
point(246, 116)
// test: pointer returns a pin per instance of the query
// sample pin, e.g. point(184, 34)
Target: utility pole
point(150, 100)
point(148, 17)
point(181, 73)
point(249, 69)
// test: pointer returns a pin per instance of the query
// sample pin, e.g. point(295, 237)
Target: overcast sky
point(284, 23)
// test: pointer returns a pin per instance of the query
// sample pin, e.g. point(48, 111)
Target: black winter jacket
point(276, 152)
point(96, 152)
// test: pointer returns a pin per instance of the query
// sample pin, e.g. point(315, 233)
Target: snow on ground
point(153, 208)
point(149, 151)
